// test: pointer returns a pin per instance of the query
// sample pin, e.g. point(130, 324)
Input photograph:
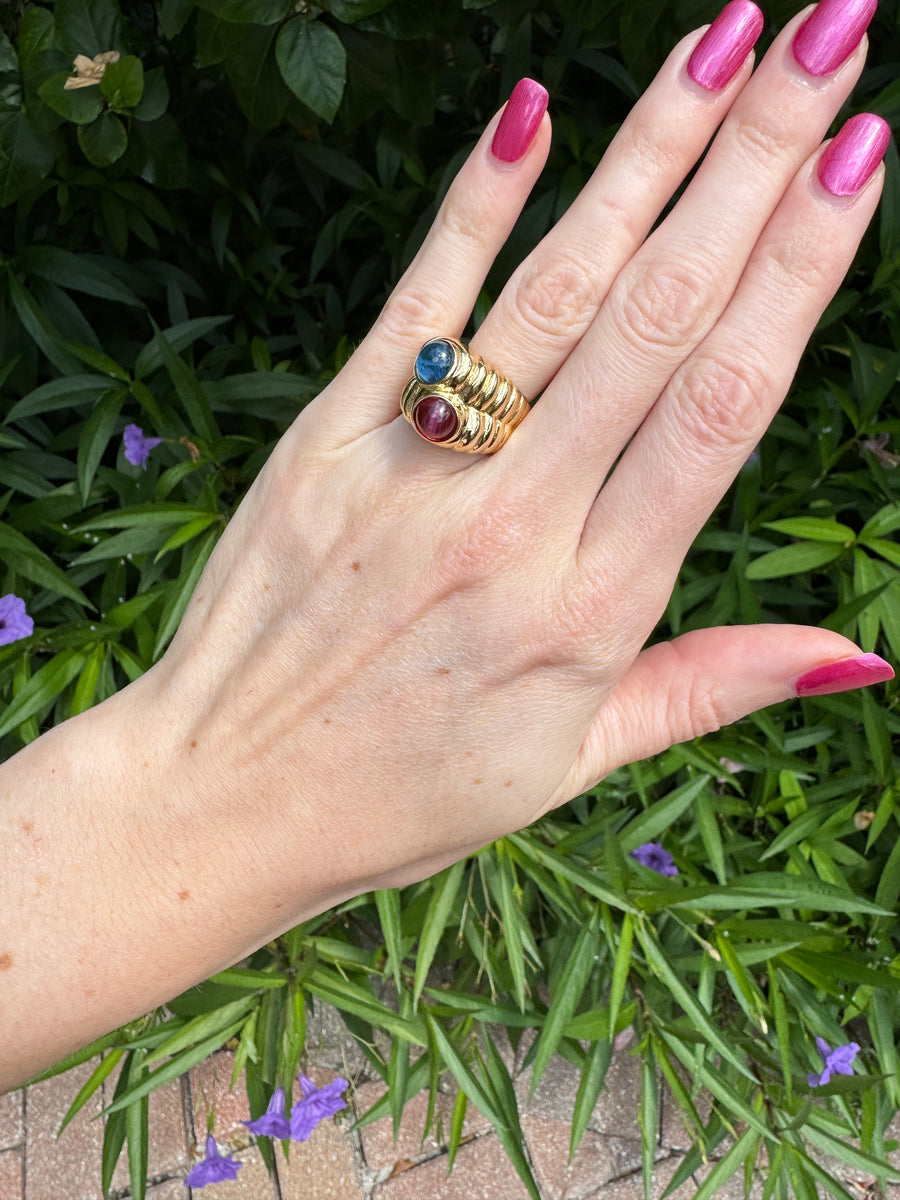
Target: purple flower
point(655, 856)
point(273, 1122)
point(214, 1168)
point(15, 622)
point(839, 1060)
point(316, 1105)
point(138, 447)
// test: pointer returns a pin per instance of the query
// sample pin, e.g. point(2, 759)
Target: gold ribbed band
point(453, 384)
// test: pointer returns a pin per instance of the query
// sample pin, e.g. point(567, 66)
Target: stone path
point(338, 1163)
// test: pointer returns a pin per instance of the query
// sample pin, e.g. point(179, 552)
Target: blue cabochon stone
point(435, 361)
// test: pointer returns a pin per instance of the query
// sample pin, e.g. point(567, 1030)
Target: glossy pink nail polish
point(831, 33)
point(519, 123)
point(718, 55)
point(841, 676)
point(851, 158)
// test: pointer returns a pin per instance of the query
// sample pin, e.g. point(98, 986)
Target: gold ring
point(457, 400)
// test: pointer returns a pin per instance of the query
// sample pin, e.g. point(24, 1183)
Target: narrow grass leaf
point(435, 922)
point(567, 995)
point(387, 902)
point(727, 1166)
point(137, 1131)
point(708, 824)
point(593, 1075)
point(621, 968)
point(177, 1066)
point(180, 594)
point(660, 816)
point(104, 1067)
point(203, 1027)
point(649, 1119)
point(42, 689)
point(664, 970)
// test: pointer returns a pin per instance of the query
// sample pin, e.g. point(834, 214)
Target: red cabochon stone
point(435, 418)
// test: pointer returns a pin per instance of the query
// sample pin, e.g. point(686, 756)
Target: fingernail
point(519, 123)
point(721, 51)
point(849, 161)
point(841, 676)
point(831, 33)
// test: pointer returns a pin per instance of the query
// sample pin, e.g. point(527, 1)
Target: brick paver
point(65, 1168)
point(342, 1163)
point(12, 1174)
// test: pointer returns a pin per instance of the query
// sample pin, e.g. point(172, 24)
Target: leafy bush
point(192, 244)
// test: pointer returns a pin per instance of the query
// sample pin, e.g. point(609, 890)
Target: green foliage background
point(196, 244)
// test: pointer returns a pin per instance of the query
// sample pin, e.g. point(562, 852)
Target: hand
point(398, 653)
point(411, 651)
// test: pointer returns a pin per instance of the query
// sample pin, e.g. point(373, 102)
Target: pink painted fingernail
point(519, 123)
point(849, 161)
point(831, 33)
point(844, 675)
point(719, 54)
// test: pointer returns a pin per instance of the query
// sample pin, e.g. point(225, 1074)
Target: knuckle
point(798, 265)
point(719, 403)
point(408, 315)
point(666, 305)
point(558, 302)
point(762, 142)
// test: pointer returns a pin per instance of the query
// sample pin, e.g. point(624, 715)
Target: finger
point(674, 289)
point(552, 298)
point(719, 403)
point(438, 290)
point(704, 680)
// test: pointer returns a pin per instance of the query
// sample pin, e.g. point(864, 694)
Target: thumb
point(703, 680)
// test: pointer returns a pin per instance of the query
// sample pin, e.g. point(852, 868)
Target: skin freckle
point(28, 826)
point(194, 744)
point(478, 780)
point(5, 962)
point(443, 670)
point(326, 720)
point(184, 895)
point(355, 566)
point(508, 783)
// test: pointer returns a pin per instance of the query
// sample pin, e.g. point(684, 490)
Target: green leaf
point(104, 141)
point(190, 391)
point(559, 865)
point(180, 594)
point(104, 1068)
point(248, 12)
point(663, 969)
point(40, 328)
point(201, 1028)
point(816, 529)
point(621, 969)
point(174, 1068)
point(387, 901)
point(159, 148)
point(155, 98)
point(78, 272)
point(566, 998)
point(42, 689)
point(178, 338)
point(137, 1130)
point(793, 560)
point(485, 1103)
point(599, 1056)
point(350, 998)
point(443, 897)
point(59, 393)
point(80, 105)
point(723, 1170)
point(313, 64)
point(122, 82)
point(708, 824)
point(86, 687)
point(764, 889)
point(252, 68)
point(659, 816)
point(25, 558)
point(88, 27)
point(95, 437)
point(349, 11)
point(26, 157)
